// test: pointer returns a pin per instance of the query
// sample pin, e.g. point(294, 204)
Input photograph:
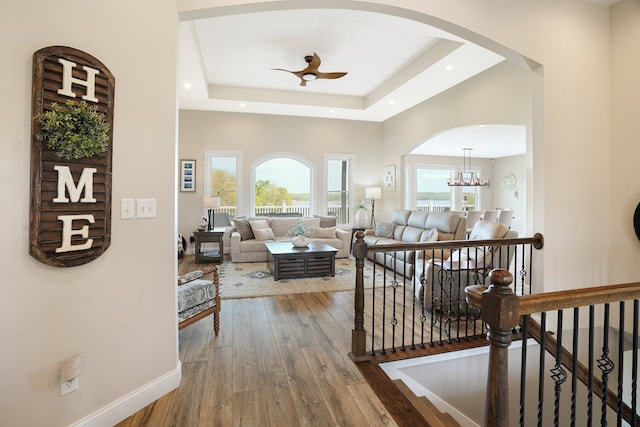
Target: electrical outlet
point(67, 387)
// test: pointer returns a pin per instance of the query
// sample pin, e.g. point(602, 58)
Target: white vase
point(300, 241)
point(362, 218)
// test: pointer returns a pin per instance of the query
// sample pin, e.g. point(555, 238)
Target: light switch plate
point(127, 209)
point(71, 367)
point(146, 208)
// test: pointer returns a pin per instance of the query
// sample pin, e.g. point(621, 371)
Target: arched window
point(283, 186)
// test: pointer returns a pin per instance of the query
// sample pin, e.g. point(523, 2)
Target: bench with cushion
point(198, 297)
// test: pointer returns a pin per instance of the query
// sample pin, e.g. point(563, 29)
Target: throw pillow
point(384, 229)
point(429, 236)
point(327, 221)
point(324, 233)
point(244, 228)
point(263, 234)
point(486, 230)
point(260, 224)
point(309, 223)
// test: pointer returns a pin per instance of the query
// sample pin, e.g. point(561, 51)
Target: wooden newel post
point(500, 312)
point(358, 334)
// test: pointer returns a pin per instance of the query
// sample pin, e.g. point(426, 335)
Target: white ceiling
point(393, 63)
point(486, 141)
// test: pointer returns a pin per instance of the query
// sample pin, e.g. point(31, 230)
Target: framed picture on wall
point(389, 178)
point(187, 175)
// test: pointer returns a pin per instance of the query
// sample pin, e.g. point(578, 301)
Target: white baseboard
point(132, 402)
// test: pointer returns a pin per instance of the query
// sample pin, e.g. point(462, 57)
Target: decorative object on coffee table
point(300, 240)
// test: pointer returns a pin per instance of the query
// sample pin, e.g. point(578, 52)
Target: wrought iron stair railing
point(415, 292)
point(588, 364)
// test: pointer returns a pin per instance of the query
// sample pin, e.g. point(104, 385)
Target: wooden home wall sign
point(70, 212)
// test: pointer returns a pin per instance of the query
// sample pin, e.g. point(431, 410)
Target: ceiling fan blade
point(330, 75)
point(314, 64)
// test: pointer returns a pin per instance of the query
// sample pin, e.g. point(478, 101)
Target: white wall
point(118, 310)
point(625, 147)
point(567, 111)
point(500, 95)
point(514, 199)
point(257, 136)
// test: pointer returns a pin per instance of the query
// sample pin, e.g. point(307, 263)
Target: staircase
point(432, 415)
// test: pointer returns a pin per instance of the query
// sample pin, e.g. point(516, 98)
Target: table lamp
point(211, 203)
point(373, 193)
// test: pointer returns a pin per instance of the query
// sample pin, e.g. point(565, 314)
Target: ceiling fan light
point(309, 76)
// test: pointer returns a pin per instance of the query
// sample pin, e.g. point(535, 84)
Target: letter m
point(65, 182)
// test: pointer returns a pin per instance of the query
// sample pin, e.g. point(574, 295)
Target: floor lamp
point(373, 193)
point(211, 203)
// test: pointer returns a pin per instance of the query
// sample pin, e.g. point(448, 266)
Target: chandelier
point(467, 178)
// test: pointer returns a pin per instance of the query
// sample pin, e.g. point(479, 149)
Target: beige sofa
point(249, 235)
point(409, 226)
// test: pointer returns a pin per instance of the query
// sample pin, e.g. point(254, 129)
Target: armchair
point(441, 283)
point(199, 297)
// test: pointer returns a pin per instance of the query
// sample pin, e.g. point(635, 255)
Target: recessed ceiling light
point(332, 111)
point(187, 85)
point(242, 104)
point(449, 67)
point(391, 102)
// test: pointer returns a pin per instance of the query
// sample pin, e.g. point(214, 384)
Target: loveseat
point(440, 283)
point(408, 226)
point(250, 233)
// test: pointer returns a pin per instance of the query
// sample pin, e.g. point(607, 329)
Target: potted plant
point(74, 131)
point(299, 232)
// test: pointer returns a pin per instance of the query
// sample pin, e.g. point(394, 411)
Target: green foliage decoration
point(299, 230)
point(74, 131)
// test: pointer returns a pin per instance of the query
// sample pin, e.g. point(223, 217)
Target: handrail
point(537, 241)
point(560, 300)
point(502, 310)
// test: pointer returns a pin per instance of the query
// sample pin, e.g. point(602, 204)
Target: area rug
point(253, 279)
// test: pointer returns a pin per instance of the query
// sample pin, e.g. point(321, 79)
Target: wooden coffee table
point(288, 262)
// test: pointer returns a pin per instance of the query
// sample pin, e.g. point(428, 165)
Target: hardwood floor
point(278, 361)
